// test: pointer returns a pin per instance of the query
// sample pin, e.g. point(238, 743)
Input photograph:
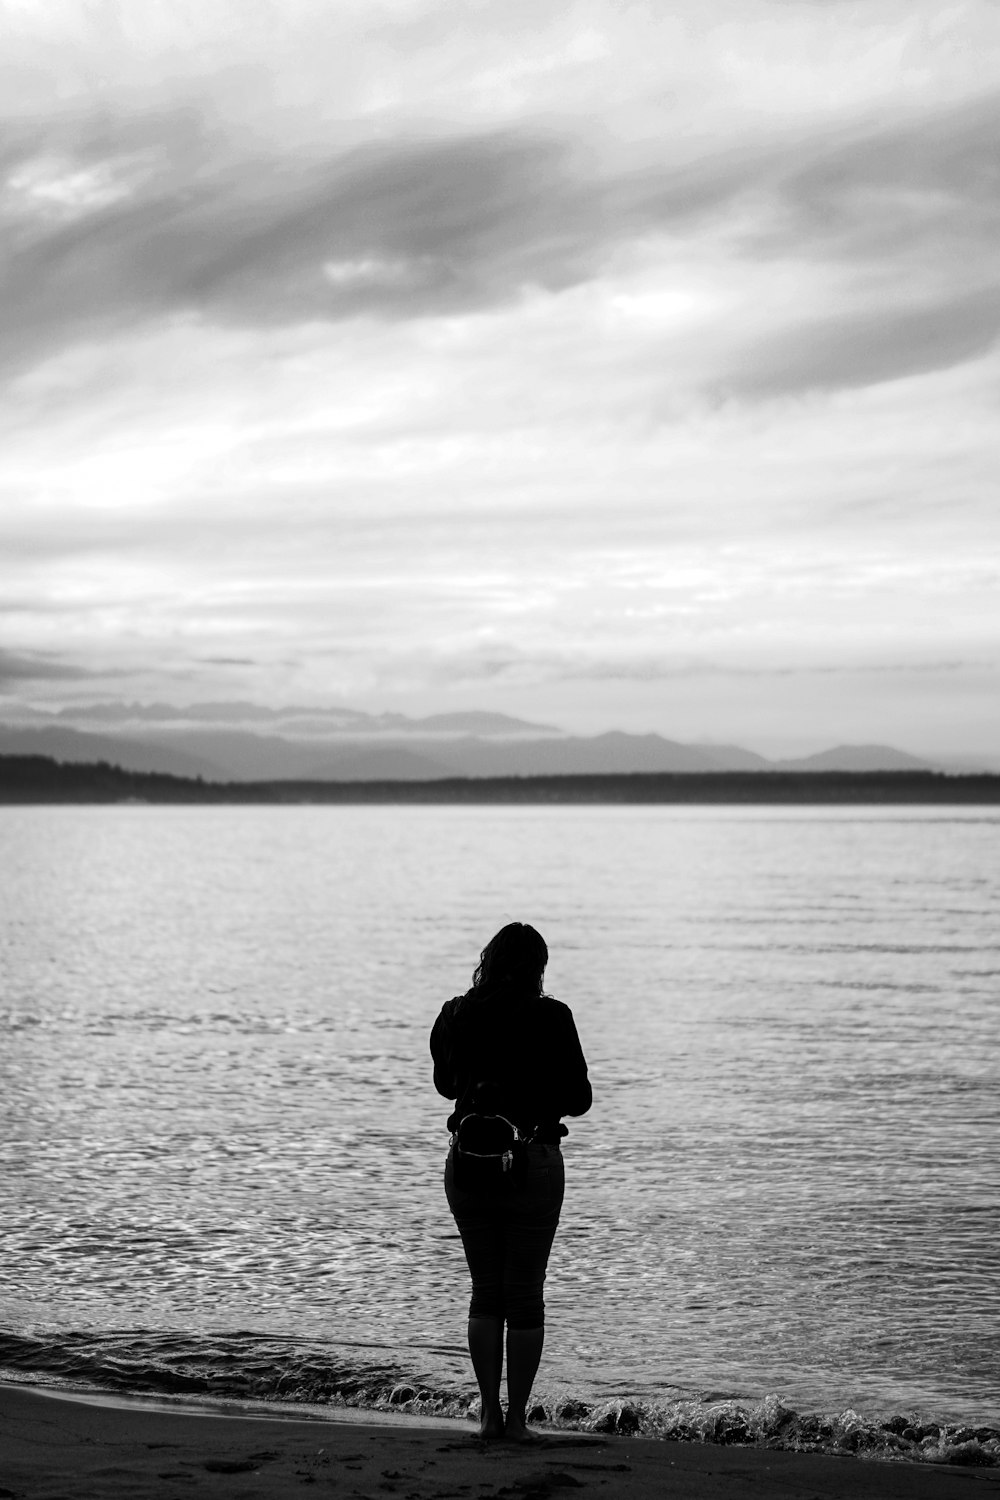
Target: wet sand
point(54, 1448)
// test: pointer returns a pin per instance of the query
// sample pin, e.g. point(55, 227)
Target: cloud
point(116, 219)
point(32, 666)
point(505, 660)
point(868, 348)
point(409, 228)
point(660, 669)
point(898, 188)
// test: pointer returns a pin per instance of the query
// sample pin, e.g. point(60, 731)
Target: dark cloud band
point(408, 228)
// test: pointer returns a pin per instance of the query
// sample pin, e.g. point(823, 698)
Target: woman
point(521, 1044)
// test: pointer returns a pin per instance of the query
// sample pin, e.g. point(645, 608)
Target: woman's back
point(526, 1045)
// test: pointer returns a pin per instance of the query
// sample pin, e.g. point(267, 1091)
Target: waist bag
point(488, 1153)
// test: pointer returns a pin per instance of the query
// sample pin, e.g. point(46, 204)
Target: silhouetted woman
point(506, 1040)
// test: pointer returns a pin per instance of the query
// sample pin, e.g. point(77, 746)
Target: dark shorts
point(507, 1239)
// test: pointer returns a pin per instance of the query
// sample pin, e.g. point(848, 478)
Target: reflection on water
point(217, 1108)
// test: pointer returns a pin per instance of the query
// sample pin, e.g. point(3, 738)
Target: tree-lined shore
point(35, 779)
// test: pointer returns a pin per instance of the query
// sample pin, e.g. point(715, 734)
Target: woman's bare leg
point(486, 1348)
point(524, 1351)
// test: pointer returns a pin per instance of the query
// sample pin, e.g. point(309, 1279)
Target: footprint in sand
point(239, 1465)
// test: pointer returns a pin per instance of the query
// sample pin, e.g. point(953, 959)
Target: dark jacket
point(525, 1045)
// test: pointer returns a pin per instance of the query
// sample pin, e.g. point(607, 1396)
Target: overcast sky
point(615, 365)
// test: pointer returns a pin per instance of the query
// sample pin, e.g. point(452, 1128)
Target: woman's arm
point(441, 1051)
point(576, 1094)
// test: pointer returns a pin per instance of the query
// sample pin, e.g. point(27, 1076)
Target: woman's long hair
point(516, 956)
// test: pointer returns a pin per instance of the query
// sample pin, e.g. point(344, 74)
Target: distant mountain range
point(245, 742)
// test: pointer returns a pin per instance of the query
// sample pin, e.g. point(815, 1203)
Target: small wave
point(249, 1367)
point(771, 1424)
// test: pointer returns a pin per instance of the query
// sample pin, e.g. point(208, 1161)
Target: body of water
point(222, 1151)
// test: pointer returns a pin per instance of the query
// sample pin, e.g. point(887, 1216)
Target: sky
point(613, 365)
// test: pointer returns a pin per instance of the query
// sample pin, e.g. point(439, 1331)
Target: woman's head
point(517, 956)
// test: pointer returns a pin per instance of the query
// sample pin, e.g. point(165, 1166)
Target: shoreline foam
point(714, 1421)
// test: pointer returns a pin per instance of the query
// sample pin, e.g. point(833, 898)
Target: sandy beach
point(58, 1448)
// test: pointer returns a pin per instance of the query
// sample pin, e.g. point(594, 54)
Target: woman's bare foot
point(517, 1431)
point(492, 1424)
